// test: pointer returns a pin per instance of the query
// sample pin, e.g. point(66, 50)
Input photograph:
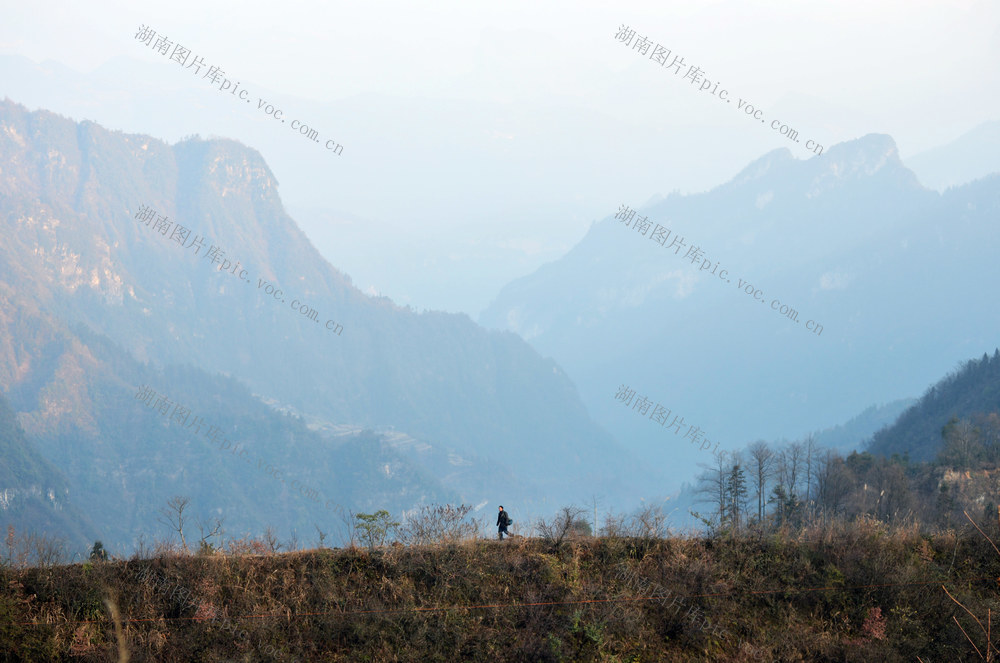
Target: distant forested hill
point(121, 458)
point(849, 239)
point(972, 389)
point(123, 255)
point(34, 495)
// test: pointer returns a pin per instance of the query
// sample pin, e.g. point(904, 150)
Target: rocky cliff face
point(183, 255)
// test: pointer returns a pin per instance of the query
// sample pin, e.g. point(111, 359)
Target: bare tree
point(788, 468)
point(346, 527)
point(206, 530)
point(795, 460)
point(649, 522)
point(811, 459)
point(594, 501)
point(48, 550)
point(566, 523)
point(893, 488)
point(271, 540)
point(614, 526)
point(834, 483)
point(962, 446)
point(439, 524)
point(322, 535)
point(712, 488)
point(173, 516)
point(761, 469)
point(989, 426)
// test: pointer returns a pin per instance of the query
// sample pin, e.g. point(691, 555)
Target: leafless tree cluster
point(568, 523)
point(439, 524)
point(174, 516)
point(972, 443)
point(268, 544)
point(787, 485)
point(648, 522)
point(31, 549)
point(212, 535)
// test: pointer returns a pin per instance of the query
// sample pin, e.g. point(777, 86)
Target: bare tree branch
point(173, 516)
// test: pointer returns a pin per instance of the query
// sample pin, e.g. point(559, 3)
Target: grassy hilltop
point(844, 593)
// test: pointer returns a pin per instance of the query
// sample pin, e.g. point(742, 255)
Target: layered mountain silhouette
point(101, 298)
point(899, 277)
point(972, 155)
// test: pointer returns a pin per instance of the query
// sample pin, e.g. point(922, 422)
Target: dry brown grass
point(520, 599)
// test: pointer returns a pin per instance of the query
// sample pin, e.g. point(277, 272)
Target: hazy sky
point(509, 128)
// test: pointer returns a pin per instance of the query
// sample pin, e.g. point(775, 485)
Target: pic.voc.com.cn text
point(662, 415)
point(661, 594)
point(216, 76)
point(182, 416)
point(662, 56)
point(204, 609)
point(216, 256)
point(695, 254)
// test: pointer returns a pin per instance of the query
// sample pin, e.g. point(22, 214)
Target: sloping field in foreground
point(857, 593)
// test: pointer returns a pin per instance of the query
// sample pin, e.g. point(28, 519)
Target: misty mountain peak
point(764, 166)
point(865, 156)
point(873, 157)
point(841, 163)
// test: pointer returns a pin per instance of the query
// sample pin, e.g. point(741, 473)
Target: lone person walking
point(502, 521)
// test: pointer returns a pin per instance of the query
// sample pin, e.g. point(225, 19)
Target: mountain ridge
point(836, 238)
point(71, 199)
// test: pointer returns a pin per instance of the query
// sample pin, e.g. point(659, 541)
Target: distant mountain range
point(855, 434)
point(973, 155)
point(408, 146)
point(100, 299)
point(129, 263)
point(898, 275)
point(99, 464)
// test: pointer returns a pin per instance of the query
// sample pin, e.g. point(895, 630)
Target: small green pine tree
point(98, 553)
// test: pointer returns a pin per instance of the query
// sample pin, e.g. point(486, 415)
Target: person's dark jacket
point(503, 519)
